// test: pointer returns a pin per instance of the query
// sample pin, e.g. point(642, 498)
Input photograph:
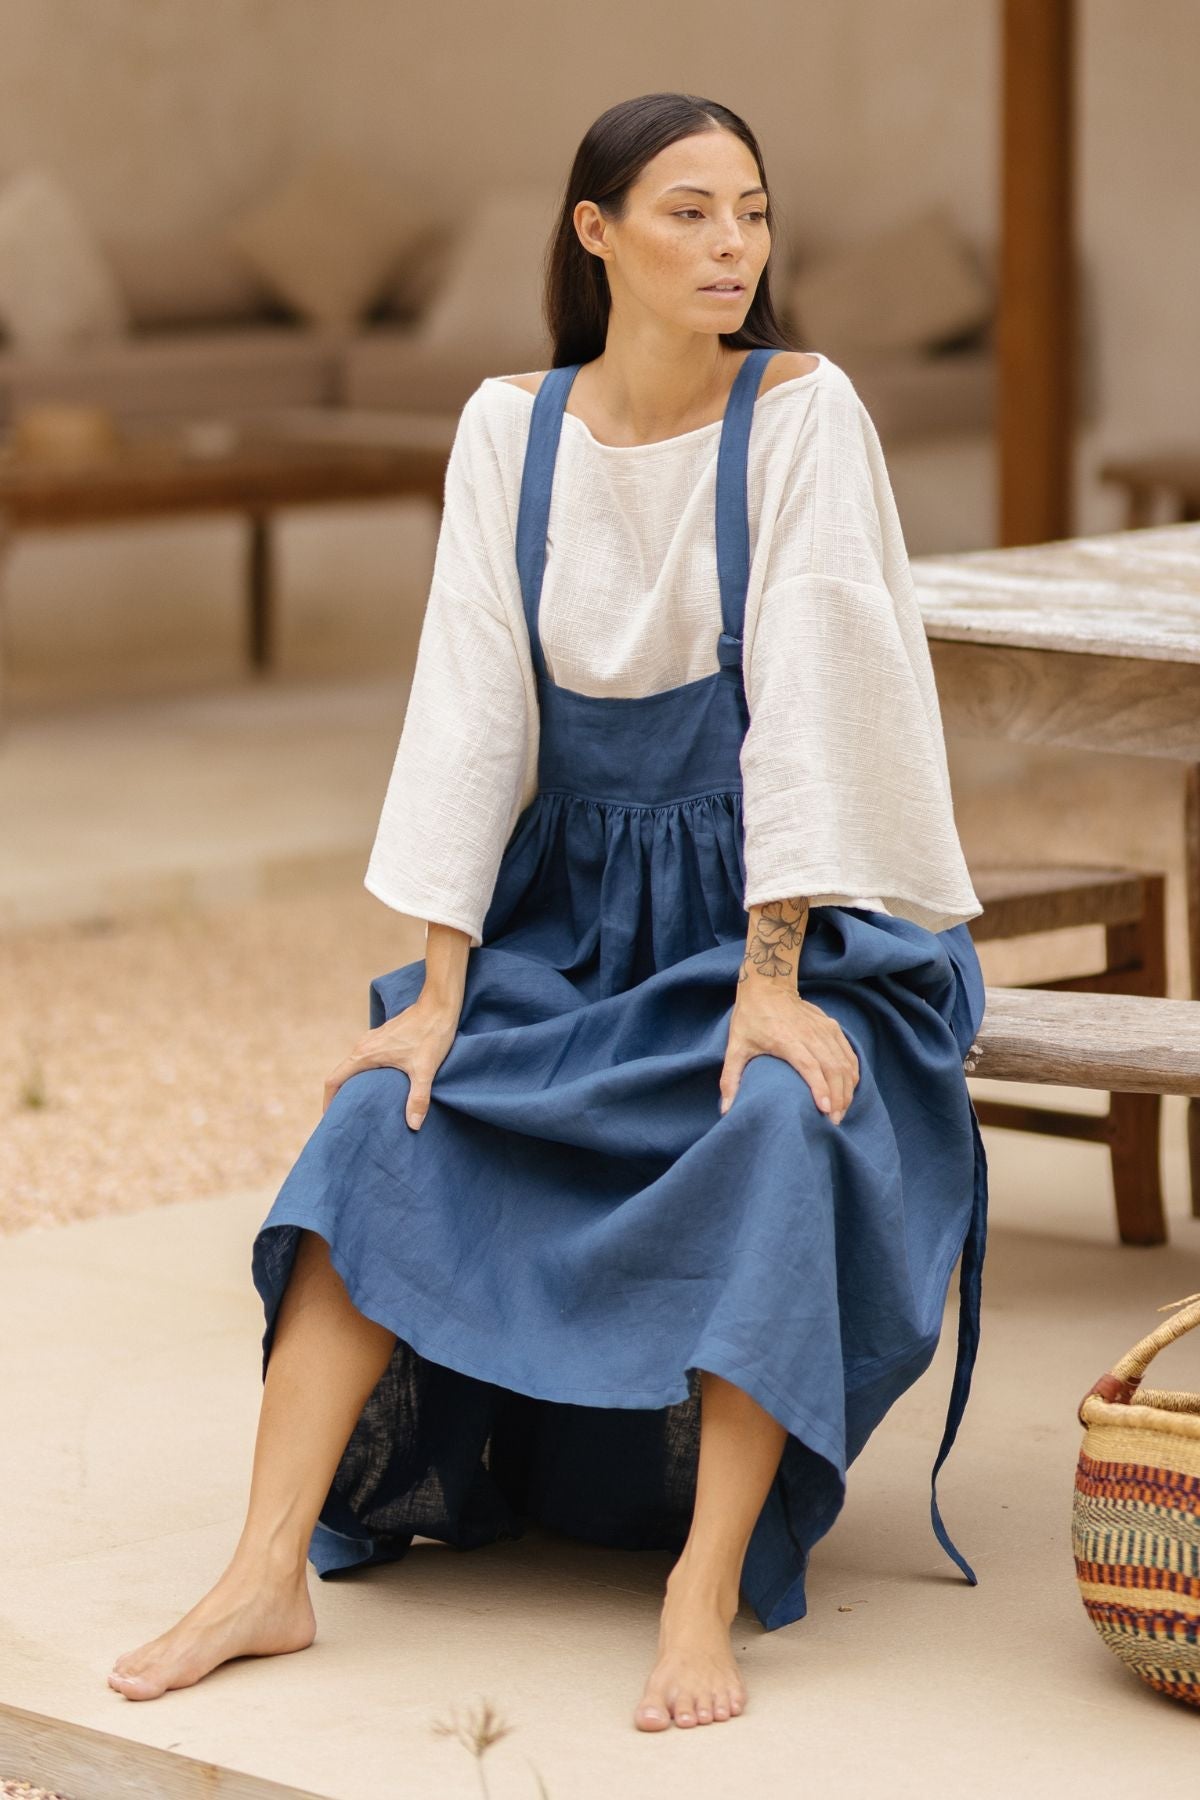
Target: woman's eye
point(686, 211)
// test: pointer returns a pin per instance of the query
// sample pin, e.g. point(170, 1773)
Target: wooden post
point(260, 594)
point(1036, 378)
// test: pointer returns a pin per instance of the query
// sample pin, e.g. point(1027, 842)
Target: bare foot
point(245, 1614)
point(695, 1680)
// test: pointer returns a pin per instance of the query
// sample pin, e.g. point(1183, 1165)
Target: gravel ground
point(170, 1056)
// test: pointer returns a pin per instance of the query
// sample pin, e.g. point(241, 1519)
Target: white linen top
point(846, 793)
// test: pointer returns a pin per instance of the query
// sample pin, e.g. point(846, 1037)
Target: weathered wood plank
point(1019, 898)
point(1112, 703)
point(78, 1759)
point(1124, 1043)
point(1122, 593)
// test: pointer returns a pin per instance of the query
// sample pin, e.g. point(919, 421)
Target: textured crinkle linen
point(846, 789)
point(576, 1230)
point(805, 1261)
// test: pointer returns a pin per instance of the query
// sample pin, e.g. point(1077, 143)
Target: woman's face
point(695, 217)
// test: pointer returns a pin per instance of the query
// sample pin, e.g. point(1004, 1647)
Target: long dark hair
point(613, 153)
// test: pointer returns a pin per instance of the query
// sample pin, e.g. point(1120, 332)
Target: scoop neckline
point(680, 437)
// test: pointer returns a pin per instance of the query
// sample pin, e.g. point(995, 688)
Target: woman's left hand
point(786, 1025)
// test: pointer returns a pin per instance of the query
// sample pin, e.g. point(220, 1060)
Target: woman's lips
point(739, 288)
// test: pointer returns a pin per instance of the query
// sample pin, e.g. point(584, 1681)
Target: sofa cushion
point(162, 374)
point(186, 278)
point(909, 289)
point(420, 271)
point(393, 368)
point(927, 396)
point(491, 297)
point(55, 287)
point(326, 240)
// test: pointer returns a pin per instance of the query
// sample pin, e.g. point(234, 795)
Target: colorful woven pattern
point(1135, 1534)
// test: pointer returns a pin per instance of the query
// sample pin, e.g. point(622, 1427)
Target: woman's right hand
point(416, 1040)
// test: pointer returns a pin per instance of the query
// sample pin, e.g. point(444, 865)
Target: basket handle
point(1121, 1381)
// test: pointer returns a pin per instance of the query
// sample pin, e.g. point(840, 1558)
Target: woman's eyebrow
point(687, 188)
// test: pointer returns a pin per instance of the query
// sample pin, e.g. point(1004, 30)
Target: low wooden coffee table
point(292, 457)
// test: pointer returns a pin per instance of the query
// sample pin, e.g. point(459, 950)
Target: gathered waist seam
point(641, 805)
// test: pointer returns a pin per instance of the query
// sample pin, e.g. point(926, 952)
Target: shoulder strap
point(732, 515)
point(533, 510)
point(733, 519)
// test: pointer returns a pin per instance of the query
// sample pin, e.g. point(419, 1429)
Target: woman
point(635, 1208)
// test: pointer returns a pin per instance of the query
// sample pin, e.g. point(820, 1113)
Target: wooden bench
point(1124, 1043)
point(1130, 906)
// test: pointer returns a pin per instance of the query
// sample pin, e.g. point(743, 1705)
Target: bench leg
point(1135, 1124)
point(1136, 956)
point(1191, 865)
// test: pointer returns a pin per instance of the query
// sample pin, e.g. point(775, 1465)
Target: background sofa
point(328, 293)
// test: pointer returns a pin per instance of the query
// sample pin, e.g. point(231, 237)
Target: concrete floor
point(194, 798)
point(130, 1380)
point(130, 1389)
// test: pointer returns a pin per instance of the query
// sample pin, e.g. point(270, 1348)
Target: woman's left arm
point(770, 1017)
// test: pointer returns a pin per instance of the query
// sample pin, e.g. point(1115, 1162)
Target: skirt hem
point(785, 1413)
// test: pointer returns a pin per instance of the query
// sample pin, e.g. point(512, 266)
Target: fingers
point(348, 1066)
point(842, 1080)
point(417, 1104)
point(832, 1075)
point(419, 1085)
point(415, 1041)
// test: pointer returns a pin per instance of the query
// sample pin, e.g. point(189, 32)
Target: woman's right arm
point(457, 783)
point(459, 775)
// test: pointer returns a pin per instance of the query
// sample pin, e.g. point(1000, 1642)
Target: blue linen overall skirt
point(576, 1230)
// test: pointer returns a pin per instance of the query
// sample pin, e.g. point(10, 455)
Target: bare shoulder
point(531, 383)
point(786, 366)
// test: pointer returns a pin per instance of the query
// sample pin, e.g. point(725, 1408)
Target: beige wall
point(161, 112)
point(178, 111)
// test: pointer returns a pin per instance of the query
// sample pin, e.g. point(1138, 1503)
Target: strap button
point(729, 651)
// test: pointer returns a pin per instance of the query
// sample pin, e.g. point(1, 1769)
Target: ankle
point(269, 1563)
point(709, 1578)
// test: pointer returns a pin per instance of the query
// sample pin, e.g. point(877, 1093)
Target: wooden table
point(1087, 643)
point(295, 457)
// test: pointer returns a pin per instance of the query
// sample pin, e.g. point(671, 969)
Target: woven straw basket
point(1135, 1525)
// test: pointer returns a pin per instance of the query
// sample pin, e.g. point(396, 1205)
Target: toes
point(720, 1704)
point(704, 1710)
point(652, 1713)
point(134, 1687)
point(685, 1710)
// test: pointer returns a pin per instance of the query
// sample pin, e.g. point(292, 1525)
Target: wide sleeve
point(846, 790)
point(457, 781)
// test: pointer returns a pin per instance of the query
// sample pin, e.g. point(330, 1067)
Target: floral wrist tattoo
point(774, 939)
